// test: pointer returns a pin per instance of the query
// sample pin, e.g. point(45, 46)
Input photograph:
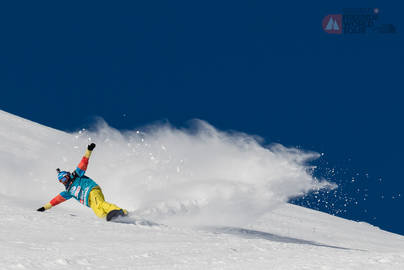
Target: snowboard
point(136, 221)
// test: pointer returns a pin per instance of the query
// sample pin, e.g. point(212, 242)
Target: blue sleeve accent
point(80, 172)
point(65, 195)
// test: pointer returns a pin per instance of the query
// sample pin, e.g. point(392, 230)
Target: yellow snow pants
point(97, 202)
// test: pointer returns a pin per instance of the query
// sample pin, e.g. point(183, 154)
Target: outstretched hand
point(42, 209)
point(91, 146)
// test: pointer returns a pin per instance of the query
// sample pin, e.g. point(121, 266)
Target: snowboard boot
point(116, 213)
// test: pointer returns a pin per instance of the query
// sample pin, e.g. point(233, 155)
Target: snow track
point(58, 240)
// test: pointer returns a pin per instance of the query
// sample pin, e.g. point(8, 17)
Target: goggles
point(65, 179)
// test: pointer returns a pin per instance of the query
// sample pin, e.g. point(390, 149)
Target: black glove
point(42, 209)
point(91, 146)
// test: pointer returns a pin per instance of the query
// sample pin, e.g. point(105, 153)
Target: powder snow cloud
point(197, 175)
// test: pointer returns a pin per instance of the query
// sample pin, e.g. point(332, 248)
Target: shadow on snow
point(253, 234)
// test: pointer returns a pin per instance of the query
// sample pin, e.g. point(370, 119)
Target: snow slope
point(275, 235)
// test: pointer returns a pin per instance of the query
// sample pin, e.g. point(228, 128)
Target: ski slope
point(195, 229)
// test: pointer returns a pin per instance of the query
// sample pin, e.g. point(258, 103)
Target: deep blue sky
point(259, 67)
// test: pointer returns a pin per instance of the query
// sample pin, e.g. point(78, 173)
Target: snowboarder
point(85, 190)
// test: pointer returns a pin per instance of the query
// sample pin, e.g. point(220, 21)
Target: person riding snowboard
point(85, 190)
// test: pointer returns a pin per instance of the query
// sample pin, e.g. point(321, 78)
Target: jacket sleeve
point(63, 196)
point(82, 167)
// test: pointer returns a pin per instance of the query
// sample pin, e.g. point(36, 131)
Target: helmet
point(63, 176)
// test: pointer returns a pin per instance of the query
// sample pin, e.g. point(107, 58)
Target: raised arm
point(82, 167)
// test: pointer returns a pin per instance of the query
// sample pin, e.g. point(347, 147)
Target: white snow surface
point(217, 201)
